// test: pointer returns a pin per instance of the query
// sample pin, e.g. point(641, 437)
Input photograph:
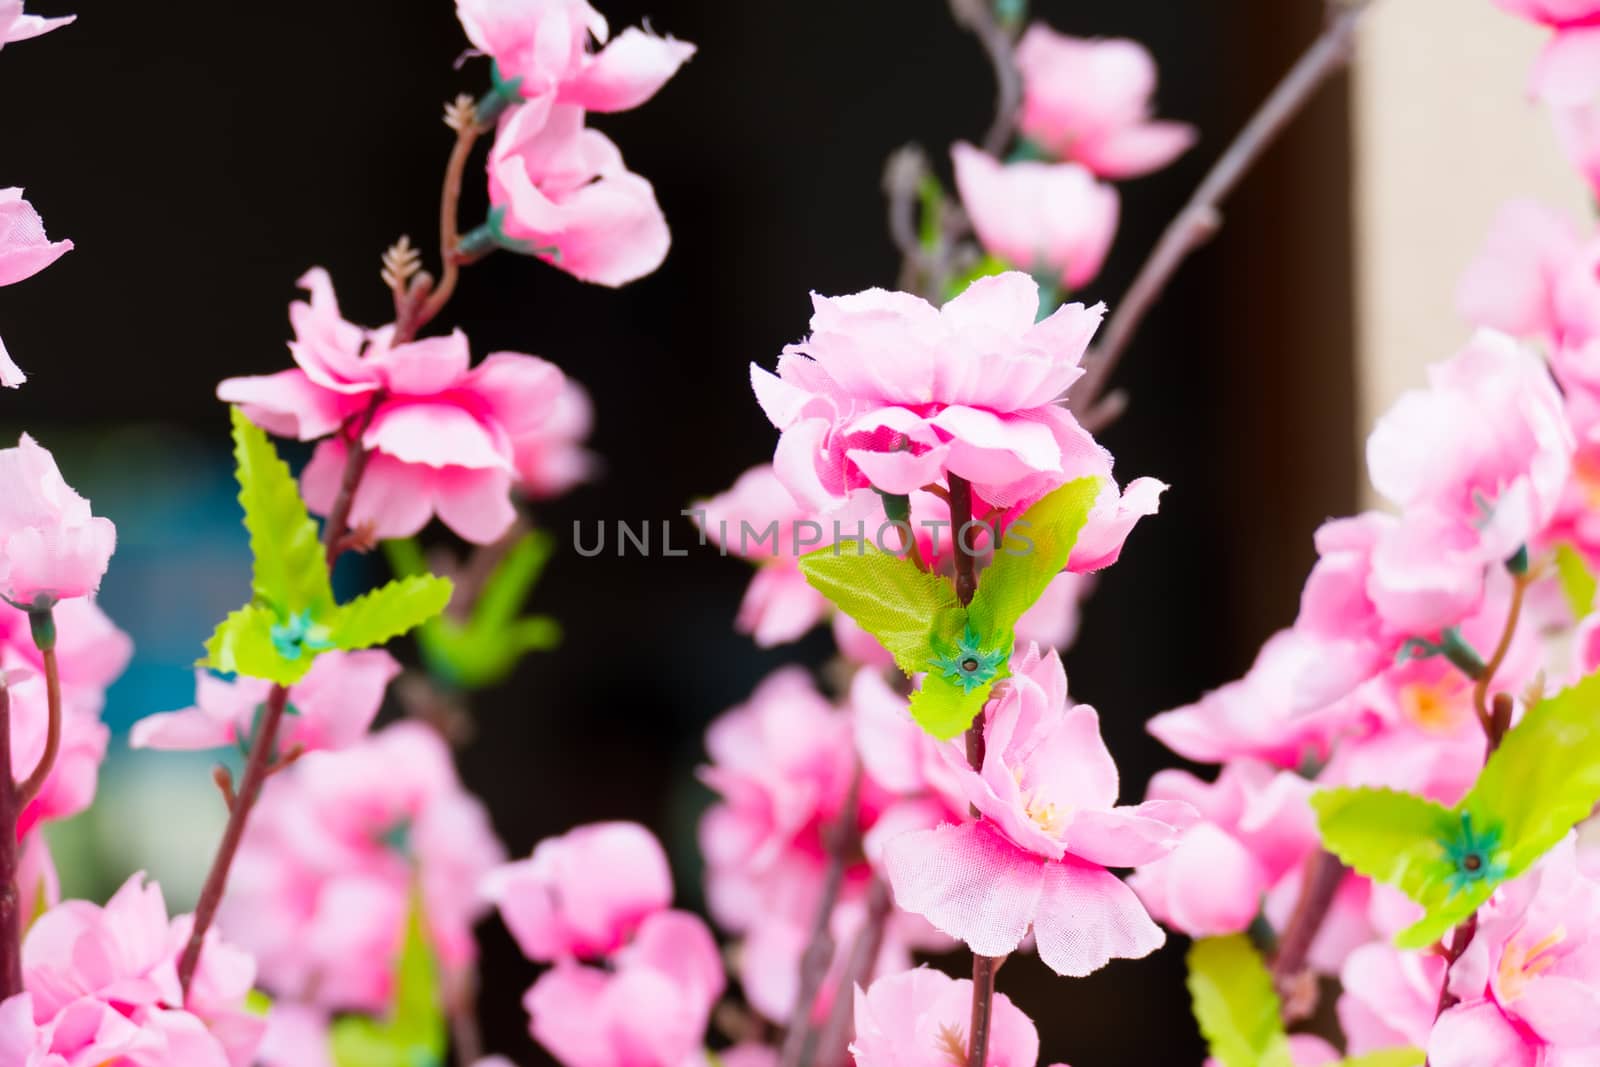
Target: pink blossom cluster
point(558, 189)
point(443, 437)
point(1566, 75)
point(101, 987)
point(1085, 121)
point(631, 980)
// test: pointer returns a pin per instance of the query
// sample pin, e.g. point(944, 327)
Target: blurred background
point(203, 157)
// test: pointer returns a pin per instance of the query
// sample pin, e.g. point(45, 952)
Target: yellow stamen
point(1435, 707)
point(1519, 966)
point(953, 1045)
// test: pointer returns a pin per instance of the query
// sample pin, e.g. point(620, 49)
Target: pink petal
point(1087, 917)
point(1132, 151)
point(1475, 1034)
point(969, 882)
point(1567, 72)
point(287, 404)
point(627, 72)
point(436, 434)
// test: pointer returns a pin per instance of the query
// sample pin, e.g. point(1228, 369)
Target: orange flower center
point(1520, 965)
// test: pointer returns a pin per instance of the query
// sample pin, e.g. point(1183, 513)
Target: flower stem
point(984, 969)
point(10, 858)
point(1323, 875)
point(1458, 944)
point(256, 769)
point(858, 972)
point(30, 788)
point(800, 1043)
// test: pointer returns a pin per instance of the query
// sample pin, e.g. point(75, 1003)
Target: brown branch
point(224, 782)
point(30, 788)
point(977, 16)
point(1458, 944)
point(256, 769)
point(10, 860)
point(1201, 217)
point(984, 969)
point(1323, 875)
point(858, 971)
point(800, 1043)
point(1480, 688)
point(463, 119)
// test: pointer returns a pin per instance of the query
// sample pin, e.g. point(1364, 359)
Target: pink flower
point(1485, 448)
point(549, 456)
point(332, 706)
point(1089, 101)
point(1256, 827)
point(544, 46)
point(1511, 285)
point(125, 956)
point(24, 249)
point(919, 1018)
point(891, 392)
point(324, 877)
point(561, 192)
point(1049, 219)
point(1257, 716)
point(781, 765)
point(584, 893)
point(91, 651)
point(1049, 827)
point(51, 547)
point(23, 1042)
point(1568, 70)
point(69, 788)
point(17, 26)
point(649, 1010)
point(1578, 132)
point(1389, 998)
point(1529, 981)
point(441, 433)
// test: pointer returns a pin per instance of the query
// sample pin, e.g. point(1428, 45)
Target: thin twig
point(1459, 940)
point(978, 17)
point(1323, 876)
point(984, 969)
point(10, 861)
point(463, 120)
point(30, 788)
point(1485, 678)
point(858, 971)
point(1201, 216)
point(800, 1043)
point(255, 775)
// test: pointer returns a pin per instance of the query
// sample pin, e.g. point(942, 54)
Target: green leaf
point(1035, 549)
point(1544, 778)
point(1412, 844)
point(909, 611)
point(415, 1034)
point(942, 709)
point(243, 644)
point(1389, 1057)
point(388, 611)
point(290, 572)
point(1577, 582)
point(485, 648)
point(1235, 1005)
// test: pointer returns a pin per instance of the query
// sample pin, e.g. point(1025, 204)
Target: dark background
point(203, 155)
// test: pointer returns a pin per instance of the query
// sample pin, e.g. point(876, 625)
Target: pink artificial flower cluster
point(445, 438)
point(602, 893)
point(332, 855)
point(101, 987)
point(1085, 103)
point(559, 190)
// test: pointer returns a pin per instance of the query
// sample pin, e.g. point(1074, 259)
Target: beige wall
point(1443, 134)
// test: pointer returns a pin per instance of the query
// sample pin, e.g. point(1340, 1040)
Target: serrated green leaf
point(415, 1034)
point(508, 585)
point(1577, 581)
point(290, 572)
point(388, 611)
point(907, 609)
point(1233, 1001)
point(243, 644)
point(1544, 778)
point(943, 709)
point(1035, 549)
point(1389, 1057)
